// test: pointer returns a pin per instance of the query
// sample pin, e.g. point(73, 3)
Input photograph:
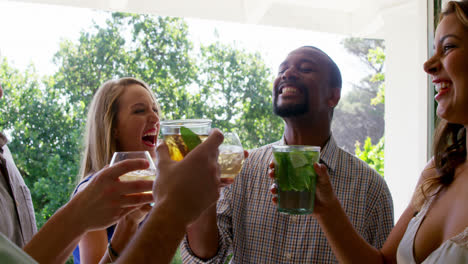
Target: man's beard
point(292, 110)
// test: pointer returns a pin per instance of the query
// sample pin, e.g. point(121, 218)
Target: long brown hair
point(102, 118)
point(450, 139)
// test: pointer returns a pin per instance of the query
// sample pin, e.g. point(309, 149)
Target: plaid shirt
point(251, 228)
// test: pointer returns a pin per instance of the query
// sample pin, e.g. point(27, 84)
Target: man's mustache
point(297, 84)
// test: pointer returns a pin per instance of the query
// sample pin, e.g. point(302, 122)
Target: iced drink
point(230, 160)
point(295, 177)
point(181, 136)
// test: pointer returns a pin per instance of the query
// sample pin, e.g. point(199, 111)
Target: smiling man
point(246, 222)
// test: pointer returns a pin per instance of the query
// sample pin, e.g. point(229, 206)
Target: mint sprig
point(190, 138)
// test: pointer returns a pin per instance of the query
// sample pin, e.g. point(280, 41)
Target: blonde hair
point(99, 142)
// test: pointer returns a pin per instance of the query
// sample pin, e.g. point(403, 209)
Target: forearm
point(123, 234)
point(158, 238)
point(346, 243)
point(56, 240)
point(203, 234)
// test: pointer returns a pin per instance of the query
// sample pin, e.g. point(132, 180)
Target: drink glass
point(148, 174)
point(181, 136)
point(295, 177)
point(231, 156)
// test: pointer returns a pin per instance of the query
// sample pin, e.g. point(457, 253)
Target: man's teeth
point(289, 90)
point(441, 85)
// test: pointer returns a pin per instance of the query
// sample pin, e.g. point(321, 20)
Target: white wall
point(405, 33)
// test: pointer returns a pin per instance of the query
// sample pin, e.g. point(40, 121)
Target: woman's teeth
point(441, 85)
point(150, 134)
point(150, 137)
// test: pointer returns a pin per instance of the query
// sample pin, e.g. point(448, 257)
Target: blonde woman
point(123, 116)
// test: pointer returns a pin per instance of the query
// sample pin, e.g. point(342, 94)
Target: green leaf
point(298, 159)
point(290, 176)
point(190, 138)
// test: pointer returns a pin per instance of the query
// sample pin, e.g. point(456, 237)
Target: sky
point(31, 33)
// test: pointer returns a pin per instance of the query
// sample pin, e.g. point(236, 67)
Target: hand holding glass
point(148, 174)
point(231, 156)
point(295, 177)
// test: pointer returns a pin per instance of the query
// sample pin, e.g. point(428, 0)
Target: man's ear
point(335, 95)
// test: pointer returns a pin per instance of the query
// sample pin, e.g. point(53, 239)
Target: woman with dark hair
point(434, 227)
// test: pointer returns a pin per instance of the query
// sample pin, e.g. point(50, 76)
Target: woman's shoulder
point(428, 171)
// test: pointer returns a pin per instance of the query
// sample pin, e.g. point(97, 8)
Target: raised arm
point(347, 245)
point(203, 236)
point(100, 204)
point(182, 191)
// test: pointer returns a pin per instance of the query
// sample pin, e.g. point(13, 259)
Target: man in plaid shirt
point(246, 222)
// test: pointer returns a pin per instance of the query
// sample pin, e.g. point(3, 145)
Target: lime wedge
point(298, 159)
point(190, 138)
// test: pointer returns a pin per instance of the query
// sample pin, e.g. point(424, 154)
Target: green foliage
point(377, 57)
point(360, 115)
point(372, 154)
point(356, 117)
point(43, 137)
point(45, 117)
point(236, 87)
point(155, 50)
point(360, 48)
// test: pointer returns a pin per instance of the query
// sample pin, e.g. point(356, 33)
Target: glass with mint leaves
point(295, 177)
point(181, 136)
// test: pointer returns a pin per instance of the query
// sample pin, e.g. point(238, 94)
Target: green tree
point(155, 49)
point(374, 154)
point(236, 86)
point(377, 57)
point(45, 116)
point(356, 118)
point(43, 137)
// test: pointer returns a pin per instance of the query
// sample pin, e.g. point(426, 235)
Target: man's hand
point(191, 185)
point(324, 192)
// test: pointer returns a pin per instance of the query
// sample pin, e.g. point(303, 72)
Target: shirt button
point(294, 219)
point(288, 256)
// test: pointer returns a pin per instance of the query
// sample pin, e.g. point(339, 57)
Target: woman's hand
point(127, 227)
point(106, 199)
point(137, 216)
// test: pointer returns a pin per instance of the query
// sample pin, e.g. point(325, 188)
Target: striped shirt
point(254, 232)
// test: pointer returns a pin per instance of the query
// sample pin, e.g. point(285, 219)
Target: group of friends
point(107, 220)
